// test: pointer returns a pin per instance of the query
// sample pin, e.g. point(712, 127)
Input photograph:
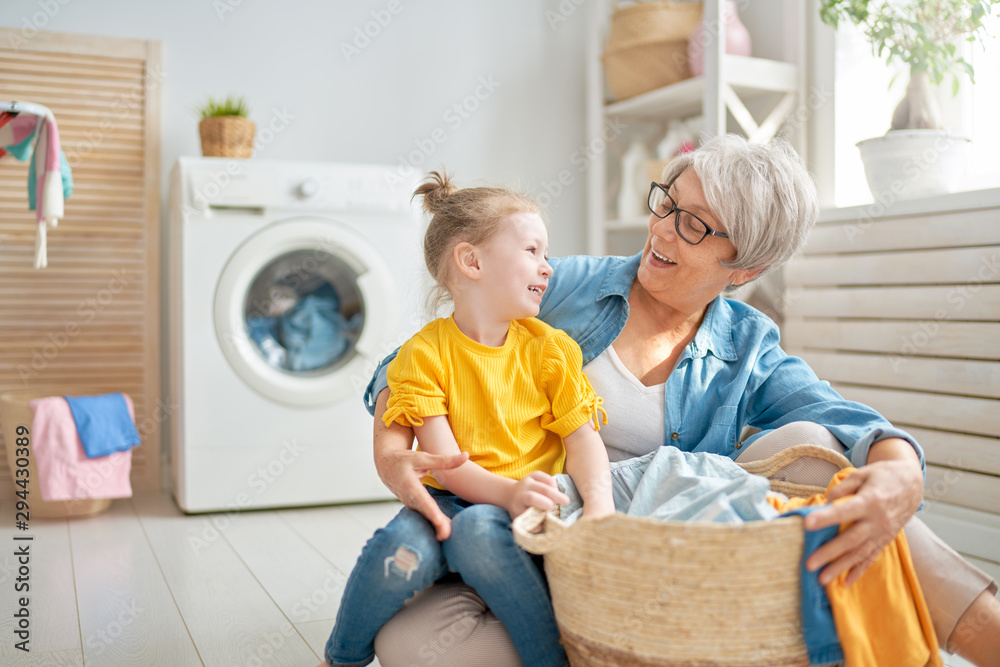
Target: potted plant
point(916, 157)
point(225, 129)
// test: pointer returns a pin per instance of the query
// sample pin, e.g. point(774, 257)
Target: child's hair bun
point(435, 189)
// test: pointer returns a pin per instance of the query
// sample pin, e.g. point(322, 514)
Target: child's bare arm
point(587, 463)
point(474, 484)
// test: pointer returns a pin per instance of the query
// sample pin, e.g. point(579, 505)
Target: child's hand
point(536, 490)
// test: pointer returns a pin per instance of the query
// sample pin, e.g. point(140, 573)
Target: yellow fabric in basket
point(882, 619)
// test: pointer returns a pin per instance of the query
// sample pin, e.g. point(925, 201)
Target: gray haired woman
point(679, 365)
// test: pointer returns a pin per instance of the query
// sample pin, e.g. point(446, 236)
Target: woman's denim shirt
point(733, 374)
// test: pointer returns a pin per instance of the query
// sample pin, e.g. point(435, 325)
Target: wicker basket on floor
point(15, 412)
point(636, 592)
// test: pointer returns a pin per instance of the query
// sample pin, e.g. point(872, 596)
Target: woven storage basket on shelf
point(636, 592)
point(226, 136)
point(646, 47)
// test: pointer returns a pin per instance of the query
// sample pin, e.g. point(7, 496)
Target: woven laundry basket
point(631, 591)
point(646, 47)
point(16, 420)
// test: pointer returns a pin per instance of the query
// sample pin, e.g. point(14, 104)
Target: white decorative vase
point(906, 164)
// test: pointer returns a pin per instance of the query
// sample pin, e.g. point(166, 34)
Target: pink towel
point(49, 185)
point(64, 471)
point(48, 188)
point(18, 128)
point(45, 174)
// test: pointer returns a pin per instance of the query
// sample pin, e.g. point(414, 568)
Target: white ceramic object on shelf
point(737, 39)
point(905, 164)
point(632, 194)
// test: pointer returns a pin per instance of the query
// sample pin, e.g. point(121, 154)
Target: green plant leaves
point(232, 105)
point(917, 33)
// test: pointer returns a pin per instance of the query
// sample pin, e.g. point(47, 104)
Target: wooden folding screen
point(902, 312)
point(91, 319)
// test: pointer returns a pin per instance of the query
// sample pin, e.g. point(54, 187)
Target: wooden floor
point(143, 584)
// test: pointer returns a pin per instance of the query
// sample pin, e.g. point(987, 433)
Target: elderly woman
point(679, 365)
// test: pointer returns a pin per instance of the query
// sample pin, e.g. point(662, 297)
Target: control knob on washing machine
point(307, 188)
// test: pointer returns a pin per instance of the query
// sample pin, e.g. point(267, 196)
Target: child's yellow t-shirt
point(508, 406)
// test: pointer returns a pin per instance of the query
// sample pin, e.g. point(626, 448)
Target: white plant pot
point(905, 164)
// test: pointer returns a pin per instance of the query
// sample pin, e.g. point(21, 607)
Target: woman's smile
point(661, 259)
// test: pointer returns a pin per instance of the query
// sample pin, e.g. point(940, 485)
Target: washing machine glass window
point(304, 312)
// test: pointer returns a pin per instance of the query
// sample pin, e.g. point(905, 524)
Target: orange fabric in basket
point(882, 619)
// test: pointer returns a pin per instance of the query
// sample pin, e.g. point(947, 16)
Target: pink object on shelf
point(737, 38)
point(64, 471)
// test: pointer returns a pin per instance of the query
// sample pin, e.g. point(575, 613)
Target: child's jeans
point(405, 557)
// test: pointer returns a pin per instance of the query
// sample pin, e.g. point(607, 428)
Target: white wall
point(380, 103)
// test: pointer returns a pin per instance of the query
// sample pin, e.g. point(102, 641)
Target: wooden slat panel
point(956, 302)
point(946, 376)
point(955, 413)
point(92, 317)
point(85, 47)
point(947, 230)
point(22, 57)
point(154, 413)
point(965, 489)
point(900, 339)
point(958, 450)
point(967, 531)
point(904, 315)
point(962, 266)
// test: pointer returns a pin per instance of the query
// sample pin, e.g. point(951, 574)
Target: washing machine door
point(304, 309)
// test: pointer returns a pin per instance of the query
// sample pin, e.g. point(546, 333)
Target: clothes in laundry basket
point(881, 619)
point(674, 485)
point(64, 471)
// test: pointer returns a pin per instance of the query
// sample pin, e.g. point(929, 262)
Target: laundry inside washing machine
point(304, 312)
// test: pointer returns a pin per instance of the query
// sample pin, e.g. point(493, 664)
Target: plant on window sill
point(922, 35)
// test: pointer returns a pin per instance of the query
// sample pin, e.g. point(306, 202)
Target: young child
point(508, 389)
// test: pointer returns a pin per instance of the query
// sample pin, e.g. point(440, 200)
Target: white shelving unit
point(729, 83)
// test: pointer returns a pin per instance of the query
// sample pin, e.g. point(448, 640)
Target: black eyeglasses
point(689, 227)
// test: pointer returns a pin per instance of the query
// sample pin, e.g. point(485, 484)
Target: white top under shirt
point(635, 412)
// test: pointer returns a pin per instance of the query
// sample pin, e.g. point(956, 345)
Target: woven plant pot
point(636, 592)
point(226, 136)
point(646, 47)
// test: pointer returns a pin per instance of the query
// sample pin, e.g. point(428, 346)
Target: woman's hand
point(536, 490)
point(401, 469)
point(885, 493)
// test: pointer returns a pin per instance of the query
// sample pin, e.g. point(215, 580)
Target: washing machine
point(287, 283)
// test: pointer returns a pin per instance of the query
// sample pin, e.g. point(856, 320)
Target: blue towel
point(104, 424)
point(818, 629)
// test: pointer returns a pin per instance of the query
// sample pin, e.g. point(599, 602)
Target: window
point(865, 102)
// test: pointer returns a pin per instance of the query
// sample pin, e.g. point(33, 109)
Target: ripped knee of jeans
point(405, 561)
